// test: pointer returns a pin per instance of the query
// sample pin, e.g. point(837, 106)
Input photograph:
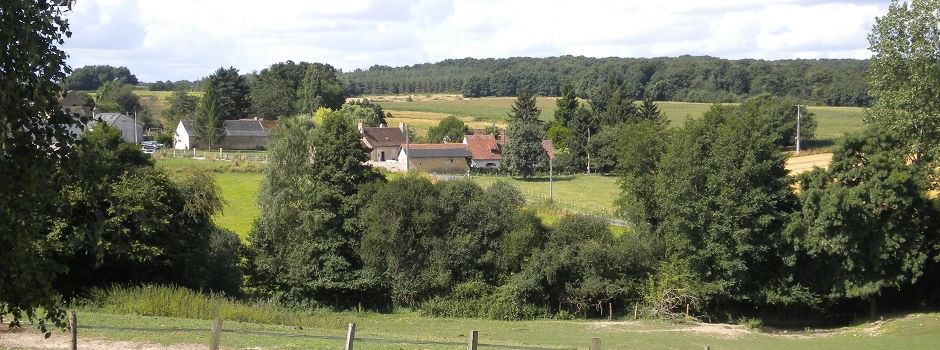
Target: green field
point(239, 184)
point(833, 122)
point(589, 194)
point(380, 331)
point(240, 191)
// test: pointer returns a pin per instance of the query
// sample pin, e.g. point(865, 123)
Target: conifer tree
point(524, 153)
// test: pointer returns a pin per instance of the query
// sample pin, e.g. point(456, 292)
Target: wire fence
point(221, 154)
point(216, 331)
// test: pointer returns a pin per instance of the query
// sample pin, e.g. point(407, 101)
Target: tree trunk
point(872, 307)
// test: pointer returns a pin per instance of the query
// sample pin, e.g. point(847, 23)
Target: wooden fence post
point(595, 343)
point(472, 340)
point(73, 326)
point(350, 335)
point(216, 336)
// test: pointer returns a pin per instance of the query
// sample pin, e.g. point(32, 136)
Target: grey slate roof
point(189, 126)
point(436, 152)
point(243, 128)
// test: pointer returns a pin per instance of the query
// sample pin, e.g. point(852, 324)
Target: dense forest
point(833, 82)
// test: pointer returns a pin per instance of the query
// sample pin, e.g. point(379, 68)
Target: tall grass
point(175, 301)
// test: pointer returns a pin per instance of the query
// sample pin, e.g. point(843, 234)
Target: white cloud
point(179, 39)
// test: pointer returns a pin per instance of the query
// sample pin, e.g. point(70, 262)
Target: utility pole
point(551, 188)
point(135, 127)
point(798, 117)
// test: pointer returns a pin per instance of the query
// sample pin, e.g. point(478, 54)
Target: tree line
point(832, 82)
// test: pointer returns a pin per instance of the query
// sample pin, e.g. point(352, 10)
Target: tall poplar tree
point(904, 77)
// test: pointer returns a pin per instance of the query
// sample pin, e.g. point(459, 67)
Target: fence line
point(310, 336)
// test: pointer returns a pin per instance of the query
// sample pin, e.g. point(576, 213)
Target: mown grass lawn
point(915, 331)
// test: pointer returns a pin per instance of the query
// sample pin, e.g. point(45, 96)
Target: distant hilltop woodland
point(832, 82)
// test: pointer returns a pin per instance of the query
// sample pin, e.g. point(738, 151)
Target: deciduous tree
point(304, 242)
point(33, 141)
point(904, 77)
point(866, 223)
point(449, 129)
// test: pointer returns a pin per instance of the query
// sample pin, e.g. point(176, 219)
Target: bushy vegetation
point(176, 301)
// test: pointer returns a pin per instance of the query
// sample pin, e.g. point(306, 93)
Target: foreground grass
point(172, 315)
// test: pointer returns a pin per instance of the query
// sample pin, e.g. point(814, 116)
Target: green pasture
point(240, 191)
point(239, 183)
point(590, 194)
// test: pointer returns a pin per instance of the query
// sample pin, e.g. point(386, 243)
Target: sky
point(190, 39)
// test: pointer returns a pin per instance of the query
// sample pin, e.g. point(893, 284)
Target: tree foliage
point(115, 96)
point(905, 76)
point(449, 129)
point(303, 245)
point(866, 224)
point(319, 88)
point(274, 89)
point(523, 152)
point(833, 82)
point(782, 115)
point(722, 196)
point(209, 118)
point(120, 220)
point(33, 141)
point(230, 94)
point(90, 78)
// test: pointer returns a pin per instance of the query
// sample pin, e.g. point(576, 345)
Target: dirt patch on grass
point(28, 338)
point(715, 329)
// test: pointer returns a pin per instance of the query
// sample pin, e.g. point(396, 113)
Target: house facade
point(438, 158)
point(245, 134)
point(185, 135)
point(384, 143)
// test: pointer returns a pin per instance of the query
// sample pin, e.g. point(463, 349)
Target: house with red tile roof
point(485, 150)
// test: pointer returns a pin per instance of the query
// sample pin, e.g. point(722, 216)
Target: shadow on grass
point(557, 178)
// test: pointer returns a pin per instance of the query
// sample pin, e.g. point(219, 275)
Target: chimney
point(360, 127)
point(401, 125)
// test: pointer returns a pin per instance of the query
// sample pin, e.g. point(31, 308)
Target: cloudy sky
point(189, 39)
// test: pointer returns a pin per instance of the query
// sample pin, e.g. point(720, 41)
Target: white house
point(185, 135)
